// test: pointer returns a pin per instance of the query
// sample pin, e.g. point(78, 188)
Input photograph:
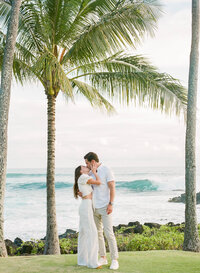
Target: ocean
point(142, 195)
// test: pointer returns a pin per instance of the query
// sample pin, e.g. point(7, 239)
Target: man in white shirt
point(103, 198)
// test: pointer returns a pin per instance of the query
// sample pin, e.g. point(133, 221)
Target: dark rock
point(72, 236)
point(115, 228)
point(121, 225)
point(11, 247)
point(181, 198)
point(180, 229)
point(171, 224)
point(69, 233)
point(136, 223)
point(18, 242)
point(128, 230)
point(152, 225)
point(138, 229)
point(62, 236)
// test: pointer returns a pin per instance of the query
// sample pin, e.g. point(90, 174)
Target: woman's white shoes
point(102, 261)
point(114, 265)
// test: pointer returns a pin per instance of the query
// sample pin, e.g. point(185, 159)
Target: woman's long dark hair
point(76, 175)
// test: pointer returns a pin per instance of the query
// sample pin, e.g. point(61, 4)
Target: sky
point(135, 136)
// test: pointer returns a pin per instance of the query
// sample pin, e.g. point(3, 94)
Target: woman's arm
point(96, 181)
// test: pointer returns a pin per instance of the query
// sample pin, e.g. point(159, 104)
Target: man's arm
point(111, 185)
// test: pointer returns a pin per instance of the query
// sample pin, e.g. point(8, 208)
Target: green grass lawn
point(167, 261)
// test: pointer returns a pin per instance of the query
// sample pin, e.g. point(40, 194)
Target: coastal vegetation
point(130, 237)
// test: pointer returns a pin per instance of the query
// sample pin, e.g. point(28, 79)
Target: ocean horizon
point(142, 194)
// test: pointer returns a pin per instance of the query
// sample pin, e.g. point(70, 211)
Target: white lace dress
point(88, 237)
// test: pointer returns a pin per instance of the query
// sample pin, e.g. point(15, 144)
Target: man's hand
point(111, 186)
point(80, 194)
point(109, 209)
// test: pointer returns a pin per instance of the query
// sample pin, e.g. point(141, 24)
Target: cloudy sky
point(133, 137)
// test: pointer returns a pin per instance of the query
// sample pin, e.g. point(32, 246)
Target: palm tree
point(6, 78)
point(191, 236)
point(77, 47)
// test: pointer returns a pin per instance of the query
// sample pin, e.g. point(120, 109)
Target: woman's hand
point(94, 168)
point(80, 194)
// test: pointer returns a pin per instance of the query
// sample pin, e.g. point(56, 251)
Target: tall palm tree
point(77, 47)
point(6, 77)
point(191, 236)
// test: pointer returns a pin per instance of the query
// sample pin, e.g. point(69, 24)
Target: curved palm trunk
point(6, 78)
point(52, 241)
point(191, 238)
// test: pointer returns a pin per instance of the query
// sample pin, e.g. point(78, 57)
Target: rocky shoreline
point(181, 198)
point(68, 240)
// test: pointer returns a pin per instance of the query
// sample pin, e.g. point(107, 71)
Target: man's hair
point(91, 156)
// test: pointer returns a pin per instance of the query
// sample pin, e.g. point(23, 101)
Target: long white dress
point(88, 236)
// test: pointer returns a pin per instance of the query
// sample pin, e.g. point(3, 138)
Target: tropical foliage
point(78, 47)
point(164, 238)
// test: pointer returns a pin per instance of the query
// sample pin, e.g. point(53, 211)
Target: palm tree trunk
point(6, 78)
point(191, 237)
point(52, 241)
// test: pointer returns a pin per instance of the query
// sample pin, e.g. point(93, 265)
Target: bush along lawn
point(131, 237)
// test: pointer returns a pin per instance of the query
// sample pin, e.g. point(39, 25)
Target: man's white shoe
point(102, 261)
point(114, 265)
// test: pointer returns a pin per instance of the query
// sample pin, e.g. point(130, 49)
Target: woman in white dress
point(88, 237)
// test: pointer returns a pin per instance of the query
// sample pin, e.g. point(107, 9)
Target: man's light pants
point(103, 221)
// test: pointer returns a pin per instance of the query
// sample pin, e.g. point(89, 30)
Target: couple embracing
point(95, 184)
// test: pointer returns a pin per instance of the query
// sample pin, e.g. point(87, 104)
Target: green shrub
point(68, 246)
point(163, 238)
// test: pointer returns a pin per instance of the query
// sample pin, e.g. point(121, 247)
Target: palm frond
point(83, 14)
point(60, 15)
point(31, 33)
point(55, 19)
point(62, 41)
point(22, 62)
point(113, 31)
point(5, 7)
point(130, 78)
point(93, 95)
point(23, 73)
